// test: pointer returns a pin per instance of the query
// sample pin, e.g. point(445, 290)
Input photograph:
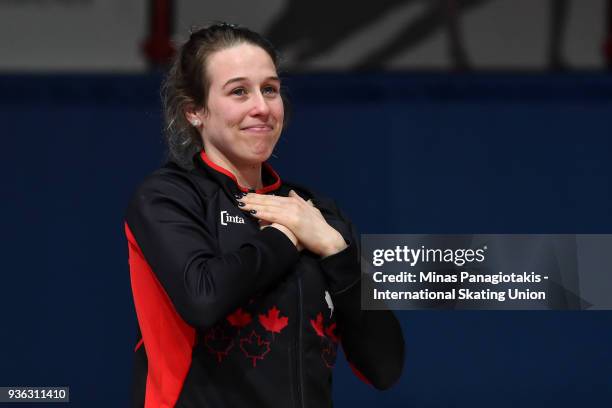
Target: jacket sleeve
point(166, 217)
point(372, 339)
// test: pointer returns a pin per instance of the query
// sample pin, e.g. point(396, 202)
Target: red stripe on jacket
point(168, 340)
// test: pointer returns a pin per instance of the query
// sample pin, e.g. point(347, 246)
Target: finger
point(263, 199)
point(266, 214)
point(249, 203)
point(288, 205)
point(265, 217)
point(258, 207)
point(279, 215)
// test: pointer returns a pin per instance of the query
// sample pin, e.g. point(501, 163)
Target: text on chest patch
point(234, 219)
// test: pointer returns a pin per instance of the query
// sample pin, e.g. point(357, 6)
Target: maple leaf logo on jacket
point(218, 343)
point(329, 339)
point(330, 332)
point(323, 331)
point(254, 347)
point(273, 322)
point(317, 324)
point(239, 318)
point(328, 354)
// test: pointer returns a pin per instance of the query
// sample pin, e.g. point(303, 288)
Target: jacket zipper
point(300, 380)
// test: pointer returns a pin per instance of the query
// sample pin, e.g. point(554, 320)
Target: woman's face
point(244, 115)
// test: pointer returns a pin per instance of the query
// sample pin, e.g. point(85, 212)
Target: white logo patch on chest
point(330, 304)
point(234, 219)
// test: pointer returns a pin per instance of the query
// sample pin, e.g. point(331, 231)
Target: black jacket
point(234, 316)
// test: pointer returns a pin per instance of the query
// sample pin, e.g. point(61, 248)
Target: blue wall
point(414, 153)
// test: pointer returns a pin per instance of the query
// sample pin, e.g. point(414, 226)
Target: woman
point(244, 285)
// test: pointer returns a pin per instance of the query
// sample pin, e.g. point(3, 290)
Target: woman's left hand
point(300, 216)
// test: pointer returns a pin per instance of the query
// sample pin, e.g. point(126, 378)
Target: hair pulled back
point(187, 84)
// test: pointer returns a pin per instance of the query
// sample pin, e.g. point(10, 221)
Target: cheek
point(279, 111)
point(226, 114)
point(233, 116)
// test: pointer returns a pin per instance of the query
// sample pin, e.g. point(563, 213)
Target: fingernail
point(238, 196)
point(253, 211)
point(241, 204)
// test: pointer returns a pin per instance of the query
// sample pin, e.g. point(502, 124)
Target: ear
point(194, 116)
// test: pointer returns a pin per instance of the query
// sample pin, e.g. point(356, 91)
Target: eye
point(239, 92)
point(270, 90)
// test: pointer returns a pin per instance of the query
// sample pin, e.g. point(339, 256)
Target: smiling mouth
point(258, 128)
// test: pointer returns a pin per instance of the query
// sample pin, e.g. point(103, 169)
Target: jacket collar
point(228, 180)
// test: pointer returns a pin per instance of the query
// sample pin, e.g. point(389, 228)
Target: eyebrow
point(239, 79)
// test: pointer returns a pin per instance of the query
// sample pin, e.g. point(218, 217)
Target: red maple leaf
point(272, 321)
point(254, 347)
point(329, 332)
point(239, 318)
point(317, 325)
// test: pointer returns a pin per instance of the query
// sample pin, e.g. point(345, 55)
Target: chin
point(262, 157)
point(253, 158)
point(262, 154)
point(255, 153)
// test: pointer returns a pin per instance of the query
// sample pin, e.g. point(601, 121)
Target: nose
point(260, 105)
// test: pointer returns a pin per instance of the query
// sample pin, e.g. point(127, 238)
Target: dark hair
point(187, 83)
